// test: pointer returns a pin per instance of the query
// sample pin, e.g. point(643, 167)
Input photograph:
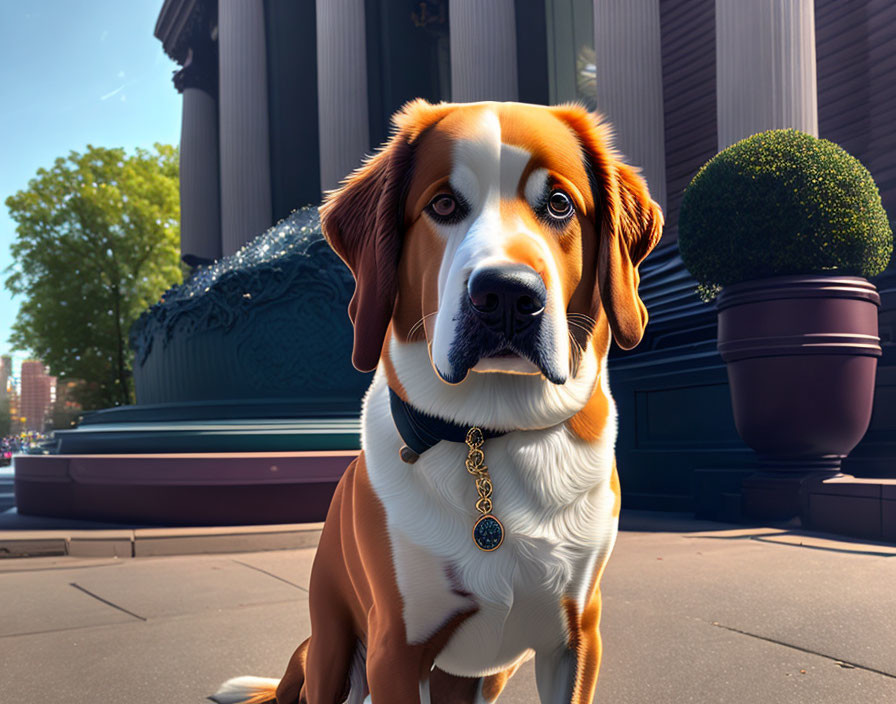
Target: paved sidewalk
point(693, 612)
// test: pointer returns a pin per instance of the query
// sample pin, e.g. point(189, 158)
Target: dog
point(495, 248)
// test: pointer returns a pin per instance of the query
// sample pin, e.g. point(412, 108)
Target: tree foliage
point(97, 242)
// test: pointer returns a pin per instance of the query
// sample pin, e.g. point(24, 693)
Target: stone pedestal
point(248, 405)
point(189, 489)
point(775, 496)
point(862, 508)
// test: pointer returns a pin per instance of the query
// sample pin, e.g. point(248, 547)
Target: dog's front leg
point(564, 678)
point(555, 675)
point(397, 671)
point(568, 674)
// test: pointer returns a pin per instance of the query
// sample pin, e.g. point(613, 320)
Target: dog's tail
point(247, 690)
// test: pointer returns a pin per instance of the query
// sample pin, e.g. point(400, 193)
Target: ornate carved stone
point(184, 23)
point(269, 321)
point(200, 70)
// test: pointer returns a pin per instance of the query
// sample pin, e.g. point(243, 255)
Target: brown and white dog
point(496, 249)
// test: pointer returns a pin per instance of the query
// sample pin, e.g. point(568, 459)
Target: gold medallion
point(488, 532)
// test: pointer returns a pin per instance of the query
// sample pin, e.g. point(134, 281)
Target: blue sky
point(72, 74)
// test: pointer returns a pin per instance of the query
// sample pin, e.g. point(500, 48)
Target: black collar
point(421, 431)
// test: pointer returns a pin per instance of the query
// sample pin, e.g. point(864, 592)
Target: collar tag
point(488, 532)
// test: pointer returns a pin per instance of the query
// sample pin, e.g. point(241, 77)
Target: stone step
point(187, 489)
point(857, 507)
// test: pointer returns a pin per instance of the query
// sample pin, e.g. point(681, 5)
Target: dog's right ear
point(362, 222)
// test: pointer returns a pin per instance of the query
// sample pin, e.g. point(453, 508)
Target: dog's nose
point(507, 298)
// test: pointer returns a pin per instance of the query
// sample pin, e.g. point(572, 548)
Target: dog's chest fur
point(552, 493)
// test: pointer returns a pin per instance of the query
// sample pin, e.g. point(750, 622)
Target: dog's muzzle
point(507, 299)
point(502, 315)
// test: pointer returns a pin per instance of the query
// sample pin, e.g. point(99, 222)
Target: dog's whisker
point(583, 316)
point(577, 330)
point(575, 354)
point(580, 326)
point(582, 320)
point(418, 325)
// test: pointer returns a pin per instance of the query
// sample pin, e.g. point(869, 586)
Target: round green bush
point(782, 202)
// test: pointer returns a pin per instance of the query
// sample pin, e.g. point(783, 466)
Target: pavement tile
point(688, 618)
point(838, 544)
point(184, 541)
point(180, 660)
point(39, 601)
point(293, 565)
point(654, 654)
point(55, 562)
point(837, 603)
point(187, 584)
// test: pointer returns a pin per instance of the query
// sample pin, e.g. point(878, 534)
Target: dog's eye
point(560, 205)
point(443, 205)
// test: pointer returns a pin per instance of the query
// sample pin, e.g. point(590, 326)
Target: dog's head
point(502, 235)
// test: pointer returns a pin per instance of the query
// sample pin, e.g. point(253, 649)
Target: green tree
point(97, 242)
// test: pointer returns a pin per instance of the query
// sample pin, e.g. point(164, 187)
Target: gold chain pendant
point(488, 533)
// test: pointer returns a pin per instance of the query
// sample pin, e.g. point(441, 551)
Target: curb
point(155, 542)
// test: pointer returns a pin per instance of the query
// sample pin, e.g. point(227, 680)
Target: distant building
point(5, 375)
point(15, 426)
point(37, 396)
point(6, 418)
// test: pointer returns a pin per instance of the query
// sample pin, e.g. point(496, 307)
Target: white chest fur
point(552, 493)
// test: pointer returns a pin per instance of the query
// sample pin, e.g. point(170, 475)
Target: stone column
point(765, 67)
point(341, 88)
point(245, 146)
point(630, 84)
point(483, 50)
point(200, 203)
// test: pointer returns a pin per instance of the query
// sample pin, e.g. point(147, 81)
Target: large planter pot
point(801, 353)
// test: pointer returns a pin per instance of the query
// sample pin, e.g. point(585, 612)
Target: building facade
point(6, 401)
point(5, 375)
point(38, 391)
point(282, 99)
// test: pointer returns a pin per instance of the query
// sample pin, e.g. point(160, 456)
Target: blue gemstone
point(488, 533)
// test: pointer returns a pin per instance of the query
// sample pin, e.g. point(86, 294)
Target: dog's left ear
point(630, 229)
point(628, 222)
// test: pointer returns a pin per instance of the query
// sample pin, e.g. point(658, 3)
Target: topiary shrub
point(782, 202)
